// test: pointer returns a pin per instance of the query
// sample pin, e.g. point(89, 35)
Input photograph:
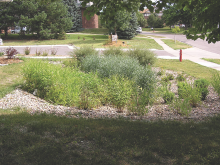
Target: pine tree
point(130, 31)
point(75, 14)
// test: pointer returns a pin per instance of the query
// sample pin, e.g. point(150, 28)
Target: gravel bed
point(159, 111)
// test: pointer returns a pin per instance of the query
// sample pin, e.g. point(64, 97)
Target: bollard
point(180, 55)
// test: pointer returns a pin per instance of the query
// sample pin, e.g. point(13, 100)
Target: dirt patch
point(9, 61)
point(119, 43)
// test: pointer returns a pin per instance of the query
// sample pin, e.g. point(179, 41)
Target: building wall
point(89, 24)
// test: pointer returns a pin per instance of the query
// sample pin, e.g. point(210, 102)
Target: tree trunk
point(6, 32)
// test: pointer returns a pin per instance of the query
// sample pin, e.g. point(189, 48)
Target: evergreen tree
point(75, 14)
point(129, 31)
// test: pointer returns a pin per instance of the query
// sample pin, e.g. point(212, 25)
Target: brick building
point(88, 24)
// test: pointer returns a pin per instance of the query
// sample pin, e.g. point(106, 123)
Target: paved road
point(199, 43)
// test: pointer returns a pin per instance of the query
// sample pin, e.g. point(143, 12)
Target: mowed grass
point(78, 40)
point(217, 61)
point(48, 139)
point(163, 30)
point(177, 45)
point(186, 66)
point(10, 77)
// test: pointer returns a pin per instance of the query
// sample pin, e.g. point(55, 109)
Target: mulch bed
point(9, 61)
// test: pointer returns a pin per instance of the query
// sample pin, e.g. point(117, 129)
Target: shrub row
point(70, 86)
point(143, 55)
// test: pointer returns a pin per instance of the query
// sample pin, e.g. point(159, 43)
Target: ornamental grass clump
point(202, 85)
point(117, 51)
point(188, 91)
point(82, 52)
point(216, 82)
point(144, 56)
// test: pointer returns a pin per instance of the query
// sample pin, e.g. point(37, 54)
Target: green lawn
point(217, 61)
point(177, 45)
point(186, 66)
point(95, 31)
point(79, 40)
point(163, 30)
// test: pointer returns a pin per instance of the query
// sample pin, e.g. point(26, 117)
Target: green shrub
point(140, 98)
point(168, 96)
point(180, 77)
point(170, 76)
point(143, 55)
point(82, 52)
point(110, 65)
point(187, 91)
point(182, 106)
point(27, 50)
point(117, 51)
point(160, 73)
point(61, 85)
point(72, 63)
point(165, 79)
point(202, 85)
point(216, 82)
point(119, 91)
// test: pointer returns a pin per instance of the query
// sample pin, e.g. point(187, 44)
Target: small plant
point(165, 79)
point(53, 51)
point(182, 106)
point(2, 53)
point(187, 91)
point(168, 96)
point(144, 56)
point(180, 77)
point(216, 82)
point(11, 52)
point(117, 51)
point(27, 50)
point(170, 76)
point(38, 53)
point(160, 73)
point(45, 53)
point(202, 85)
point(82, 52)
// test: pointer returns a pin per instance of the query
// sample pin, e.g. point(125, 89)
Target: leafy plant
point(27, 50)
point(140, 98)
point(45, 53)
point(82, 52)
point(202, 85)
point(117, 51)
point(182, 106)
point(53, 51)
point(2, 53)
point(165, 79)
point(180, 77)
point(216, 82)
point(38, 53)
point(160, 73)
point(144, 56)
point(168, 96)
point(10, 52)
point(170, 76)
point(187, 91)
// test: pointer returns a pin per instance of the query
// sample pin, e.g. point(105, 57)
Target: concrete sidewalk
point(192, 54)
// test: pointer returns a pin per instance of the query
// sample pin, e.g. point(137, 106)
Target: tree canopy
point(206, 18)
